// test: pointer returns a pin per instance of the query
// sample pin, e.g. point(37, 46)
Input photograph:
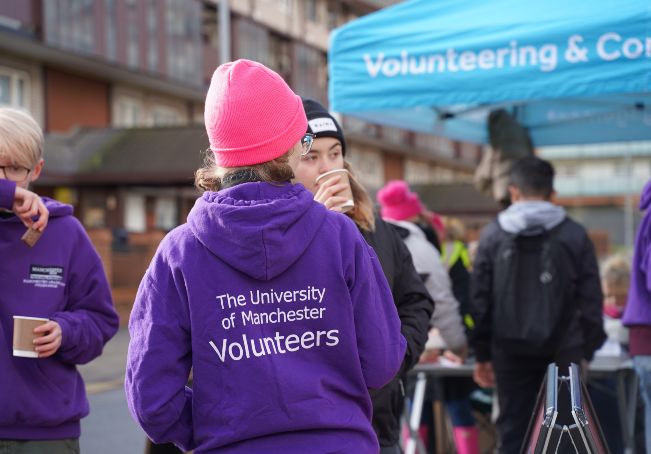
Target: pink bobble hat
point(251, 114)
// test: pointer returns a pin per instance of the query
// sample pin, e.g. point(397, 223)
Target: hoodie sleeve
point(89, 319)
point(7, 193)
point(446, 317)
point(159, 359)
point(590, 300)
point(377, 326)
point(413, 301)
point(482, 297)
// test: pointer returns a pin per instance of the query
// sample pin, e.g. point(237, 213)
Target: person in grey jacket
point(401, 208)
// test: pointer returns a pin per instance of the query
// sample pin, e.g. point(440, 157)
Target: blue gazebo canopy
point(571, 72)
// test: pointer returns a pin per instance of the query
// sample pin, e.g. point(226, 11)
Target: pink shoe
point(466, 439)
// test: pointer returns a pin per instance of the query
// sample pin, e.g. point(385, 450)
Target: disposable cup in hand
point(347, 193)
point(24, 335)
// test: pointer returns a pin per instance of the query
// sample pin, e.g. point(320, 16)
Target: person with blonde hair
point(61, 279)
point(411, 299)
point(276, 304)
point(18, 131)
point(615, 281)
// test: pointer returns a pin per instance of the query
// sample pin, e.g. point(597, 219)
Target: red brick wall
point(74, 101)
point(394, 167)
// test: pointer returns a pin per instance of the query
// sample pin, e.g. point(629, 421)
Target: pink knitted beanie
point(251, 114)
point(398, 202)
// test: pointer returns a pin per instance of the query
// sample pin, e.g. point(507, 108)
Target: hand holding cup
point(333, 191)
point(50, 339)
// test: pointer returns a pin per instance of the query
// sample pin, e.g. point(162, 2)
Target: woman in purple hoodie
point(59, 278)
point(637, 315)
point(276, 304)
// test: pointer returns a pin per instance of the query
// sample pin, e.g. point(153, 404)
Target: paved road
point(109, 429)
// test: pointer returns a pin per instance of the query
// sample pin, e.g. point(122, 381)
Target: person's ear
point(515, 194)
point(36, 171)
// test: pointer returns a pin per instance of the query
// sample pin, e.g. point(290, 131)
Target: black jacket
point(584, 331)
point(415, 308)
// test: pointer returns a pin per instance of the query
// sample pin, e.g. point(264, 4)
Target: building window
point(129, 113)
point(165, 116)
point(252, 41)
point(165, 213)
point(14, 88)
point(311, 12)
point(309, 75)
point(152, 43)
point(135, 216)
point(111, 30)
point(567, 171)
point(621, 169)
point(278, 57)
point(133, 35)
point(333, 15)
point(70, 24)
point(183, 24)
point(210, 26)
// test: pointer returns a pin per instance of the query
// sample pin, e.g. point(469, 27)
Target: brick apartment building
point(118, 87)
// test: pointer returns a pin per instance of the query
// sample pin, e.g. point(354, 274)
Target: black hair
point(534, 177)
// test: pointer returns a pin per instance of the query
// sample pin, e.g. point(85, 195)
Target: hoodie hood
point(257, 228)
point(56, 209)
point(527, 215)
point(645, 200)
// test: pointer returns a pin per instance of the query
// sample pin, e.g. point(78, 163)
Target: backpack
point(534, 282)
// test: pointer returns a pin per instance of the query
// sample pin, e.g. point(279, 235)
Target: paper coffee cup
point(348, 193)
point(24, 335)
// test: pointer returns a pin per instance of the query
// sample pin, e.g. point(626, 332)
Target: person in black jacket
point(412, 300)
point(577, 333)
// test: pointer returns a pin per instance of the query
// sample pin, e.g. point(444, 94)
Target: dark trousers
point(518, 383)
point(395, 449)
point(69, 446)
point(166, 448)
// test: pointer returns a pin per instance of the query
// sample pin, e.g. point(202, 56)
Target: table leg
point(415, 416)
point(627, 403)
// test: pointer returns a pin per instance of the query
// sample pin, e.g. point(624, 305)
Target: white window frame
point(135, 213)
point(125, 106)
point(160, 115)
point(14, 76)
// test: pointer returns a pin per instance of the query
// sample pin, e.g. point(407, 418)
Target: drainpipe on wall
point(224, 26)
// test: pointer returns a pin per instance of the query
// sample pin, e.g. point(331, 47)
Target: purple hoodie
point(282, 312)
point(60, 278)
point(7, 193)
point(638, 307)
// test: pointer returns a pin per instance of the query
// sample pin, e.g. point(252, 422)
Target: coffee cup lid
point(32, 318)
point(330, 172)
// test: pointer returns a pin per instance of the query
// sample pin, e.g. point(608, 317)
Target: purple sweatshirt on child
point(282, 312)
point(60, 278)
point(7, 193)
